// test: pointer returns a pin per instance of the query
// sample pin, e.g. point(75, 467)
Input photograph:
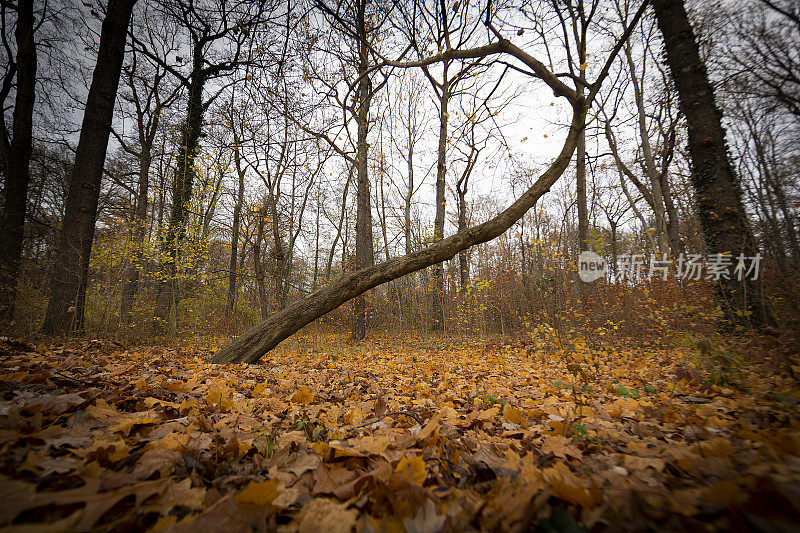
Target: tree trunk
point(261, 338)
point(364, 256)
point(719, 197)
point(463, 255)
point(278, 250)
point(441, 200)
point(673, 222)
point(408, 197)
point(583, 211)
point(237, 210)
point(139, 226)
point(649, 162)
point(68, 277)
point(342, 215)
point(17, 158)
point(258, 270)
point(181, 191)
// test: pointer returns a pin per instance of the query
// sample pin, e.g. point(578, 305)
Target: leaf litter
point(387, 437)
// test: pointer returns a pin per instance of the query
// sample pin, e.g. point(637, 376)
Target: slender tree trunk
point(17, 158)
point(316, 244)
point(583, 211)
point(364, 257)
point(441, 200)
point(237, 210)
point(258, 269)
point(342, 215)
point(278, 251)
point(649, 162)
point(719, 197)
point(139, 227)
point(408, 197)
point(463, 255)
point(68, 277)
point(673, 223)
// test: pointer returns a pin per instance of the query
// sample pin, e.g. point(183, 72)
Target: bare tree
point(719, 195)
point(15, 150)
point(69, 273)
point(261, 338)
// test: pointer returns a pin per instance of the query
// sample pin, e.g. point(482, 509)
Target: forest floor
point(420, 436)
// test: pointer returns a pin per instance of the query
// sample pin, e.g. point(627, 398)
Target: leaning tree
point(264, 336)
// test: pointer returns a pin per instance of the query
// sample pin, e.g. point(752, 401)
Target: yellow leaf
point(412, 469)
point(567, 486)
point(513, 414)
point(303, 396)
point(259, 492)
point(127, 423)
point(322, 514)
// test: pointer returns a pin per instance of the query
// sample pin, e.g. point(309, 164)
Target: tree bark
point(237, 210)
point(441, 198)
point(364, 257)
point(182, 189)
point(649, 162)
point(719, 196)
point(139, 227)
point(258, 270)
point(17, 158)
point(261, 338)
point(68, 277)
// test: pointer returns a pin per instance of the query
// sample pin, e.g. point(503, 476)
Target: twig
point(76, 380)
point(365, 424)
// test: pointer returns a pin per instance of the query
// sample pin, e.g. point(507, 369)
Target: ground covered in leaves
point(385, 436)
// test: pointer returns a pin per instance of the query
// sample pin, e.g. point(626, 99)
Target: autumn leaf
point(412, 469)
point(303, 396)
point(259, 492)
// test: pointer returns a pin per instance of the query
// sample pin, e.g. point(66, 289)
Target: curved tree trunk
point(261, 338)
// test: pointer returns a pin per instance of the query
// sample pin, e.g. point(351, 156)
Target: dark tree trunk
point(278, 251)
point(364, 256)
point(68, 277)
point(17, 158)
point(182, 190)
point(261, 338)
point(719, 196)
point(463, 255)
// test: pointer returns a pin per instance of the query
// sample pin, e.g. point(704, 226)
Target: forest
point(400, 265)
